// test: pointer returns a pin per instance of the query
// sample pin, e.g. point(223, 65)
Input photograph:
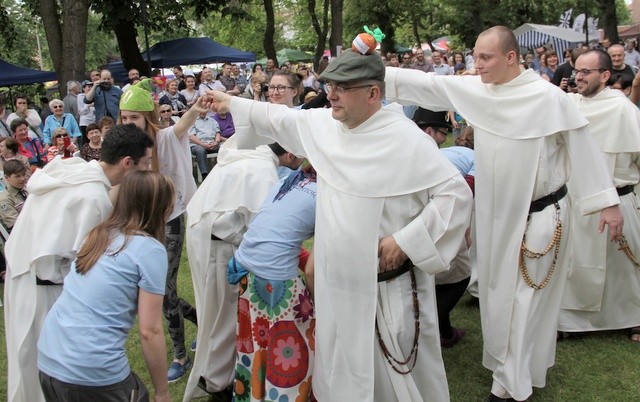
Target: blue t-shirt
point(462, 158)
point(271, 245)
point(67, 121)
point(83, 337)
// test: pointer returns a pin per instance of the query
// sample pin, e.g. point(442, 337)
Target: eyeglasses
point(340, 88)
point(165, 111)
point(445, 132)
point(587, 71)
point(279, 88)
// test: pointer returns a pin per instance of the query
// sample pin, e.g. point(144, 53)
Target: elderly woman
point(91, 150)
point(57, 144)
point(60, 119)
point(30, 148)
point(258, 90)
point(175, 99)
point(166, 117)
point(9, 151)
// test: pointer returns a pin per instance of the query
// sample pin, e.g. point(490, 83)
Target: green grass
point(598, 367)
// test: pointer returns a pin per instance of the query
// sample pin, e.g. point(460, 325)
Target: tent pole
point(586, 20)
point(13, 105)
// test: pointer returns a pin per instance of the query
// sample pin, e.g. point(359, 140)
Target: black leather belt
point(214, 237)
point(394, 273)
point(541, 203)
point(45, 282)
point(624, 190)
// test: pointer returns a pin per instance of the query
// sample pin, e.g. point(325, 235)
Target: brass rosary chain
point(624, 246)
point(525, 252)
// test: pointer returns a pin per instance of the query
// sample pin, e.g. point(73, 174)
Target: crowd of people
point(539, 221)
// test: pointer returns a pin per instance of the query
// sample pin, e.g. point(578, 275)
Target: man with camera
point(603, 289)
point(105, 96)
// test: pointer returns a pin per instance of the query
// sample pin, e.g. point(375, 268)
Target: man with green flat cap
point(391, 211)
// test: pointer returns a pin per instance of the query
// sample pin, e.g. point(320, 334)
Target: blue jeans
point(201, 157)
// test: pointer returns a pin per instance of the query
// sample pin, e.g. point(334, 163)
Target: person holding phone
point(61, 144)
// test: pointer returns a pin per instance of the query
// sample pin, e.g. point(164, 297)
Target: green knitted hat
point(137, 99)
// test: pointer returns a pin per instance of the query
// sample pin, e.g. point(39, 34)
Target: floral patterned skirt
point(275, 341)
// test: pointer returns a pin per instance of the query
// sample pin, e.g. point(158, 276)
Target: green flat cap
point(137, 99)
point(354, 66)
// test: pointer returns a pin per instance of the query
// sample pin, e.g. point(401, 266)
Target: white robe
point(528, 136)
point(603, 289)
point(224, 205)
point(66, 200)
point(372, 182)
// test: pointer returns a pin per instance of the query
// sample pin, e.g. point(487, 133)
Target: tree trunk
point(269, 32)
point(609, 19)
point(48, 10)
point(75, 15)
point(66, 33)
point(383, 16)
point(321, 32)
point(126, 36)
point(335, 39)
point(414, 30)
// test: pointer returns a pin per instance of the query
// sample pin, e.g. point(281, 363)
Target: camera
point(571, 82)
point(264, 88)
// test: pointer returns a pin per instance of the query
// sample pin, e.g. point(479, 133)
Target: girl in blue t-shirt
point(120, 272)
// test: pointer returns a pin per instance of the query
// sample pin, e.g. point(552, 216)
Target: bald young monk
point(527, 135)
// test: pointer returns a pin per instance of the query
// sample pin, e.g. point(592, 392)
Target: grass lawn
point(598, 367)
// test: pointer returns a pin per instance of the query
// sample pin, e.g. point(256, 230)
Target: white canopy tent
point(532, 36)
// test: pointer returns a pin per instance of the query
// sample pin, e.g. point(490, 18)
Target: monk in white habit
point(603, 289)
point(217, 217)
point(391, 212)
point(66, 200)
point(529, 137)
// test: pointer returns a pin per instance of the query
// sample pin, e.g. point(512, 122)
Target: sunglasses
point(62, 135)
point(57, 107)
point(165, 111)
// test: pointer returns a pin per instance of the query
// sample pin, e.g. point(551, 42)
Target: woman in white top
point(309, 78)
point(190, 93)
point(86, 111)
point(171, 157)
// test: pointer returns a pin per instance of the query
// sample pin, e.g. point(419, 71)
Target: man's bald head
point(496, 53)
point(505, 38)
point(617, 56)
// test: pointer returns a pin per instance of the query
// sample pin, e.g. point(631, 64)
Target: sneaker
point(177, 370)
point(193, 346)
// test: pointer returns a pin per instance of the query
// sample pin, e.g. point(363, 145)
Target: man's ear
point(375, 93)
point(127, 162)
